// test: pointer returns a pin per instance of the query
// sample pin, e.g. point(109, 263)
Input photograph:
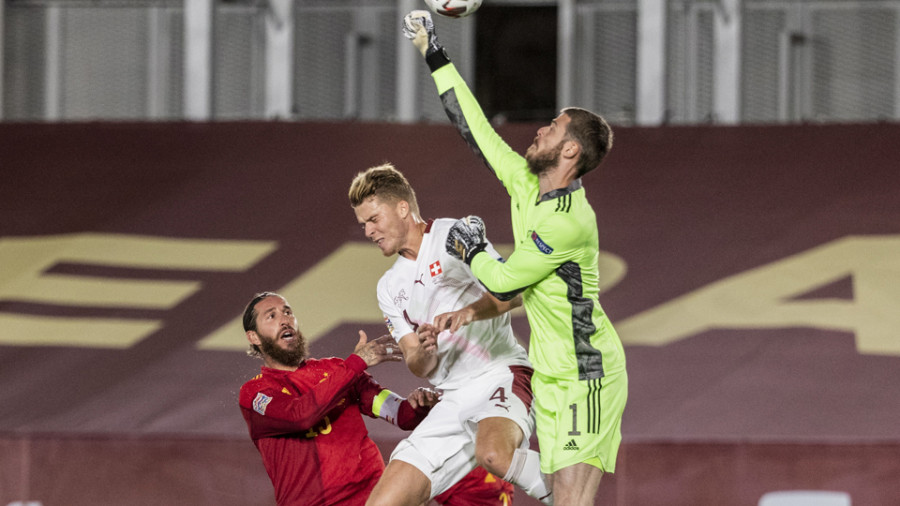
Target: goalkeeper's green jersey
point(556, 254)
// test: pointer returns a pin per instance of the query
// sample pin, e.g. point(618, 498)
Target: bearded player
point(304, 414)
point(580, 383)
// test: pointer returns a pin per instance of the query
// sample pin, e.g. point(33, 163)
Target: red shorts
point(478, 488)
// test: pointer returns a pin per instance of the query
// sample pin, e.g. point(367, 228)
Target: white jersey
point(413, 292)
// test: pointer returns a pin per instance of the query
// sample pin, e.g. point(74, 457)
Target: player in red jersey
point(304, 414)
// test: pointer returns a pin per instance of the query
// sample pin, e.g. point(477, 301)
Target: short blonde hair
point(385, 182)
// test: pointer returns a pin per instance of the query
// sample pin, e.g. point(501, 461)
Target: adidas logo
point(571, 445)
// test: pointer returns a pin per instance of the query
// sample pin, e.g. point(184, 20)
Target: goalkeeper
point(580, 383)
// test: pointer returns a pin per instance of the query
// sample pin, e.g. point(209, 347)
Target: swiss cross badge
point(435, 268)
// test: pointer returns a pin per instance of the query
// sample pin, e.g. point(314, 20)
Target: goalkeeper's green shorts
point(579, 421)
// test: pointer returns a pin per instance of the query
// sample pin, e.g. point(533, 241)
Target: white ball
point(454, 8)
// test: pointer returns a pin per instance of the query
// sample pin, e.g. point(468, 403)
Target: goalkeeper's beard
point(539, 163)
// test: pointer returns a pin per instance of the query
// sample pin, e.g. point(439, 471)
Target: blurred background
point(162, 161)
point(641, 62)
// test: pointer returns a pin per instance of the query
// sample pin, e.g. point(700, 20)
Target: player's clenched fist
point(423, 397)
point(466, 238)
point(428, 337)
point(419, 28)
point(454, 320)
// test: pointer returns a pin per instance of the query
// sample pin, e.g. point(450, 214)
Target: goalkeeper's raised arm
point(459, 103)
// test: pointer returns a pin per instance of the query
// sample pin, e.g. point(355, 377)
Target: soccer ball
point(454, 8)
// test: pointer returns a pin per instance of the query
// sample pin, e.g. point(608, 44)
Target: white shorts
point(443, 445)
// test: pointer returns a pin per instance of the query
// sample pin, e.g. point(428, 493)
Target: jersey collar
point(559, 192)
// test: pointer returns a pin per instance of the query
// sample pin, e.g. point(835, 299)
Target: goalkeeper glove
point(466, 239)
point(419, 28)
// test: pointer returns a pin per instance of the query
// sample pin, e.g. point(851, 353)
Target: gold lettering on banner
point(762, 298)
point(23, 278)
point(29, 330)
point(341, 288)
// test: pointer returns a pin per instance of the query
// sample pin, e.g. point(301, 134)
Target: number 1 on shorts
point(574, 431)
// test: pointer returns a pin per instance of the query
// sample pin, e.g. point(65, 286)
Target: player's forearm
point(420, 352)
point(408, 418)
point(422, 363)
point(504, 306)
point(267, 426)
point(379, 402)
point(489, 306)
point(458, 101)
point(298, 416)
point(275, 413)
point(504, 280)
point(465, 113)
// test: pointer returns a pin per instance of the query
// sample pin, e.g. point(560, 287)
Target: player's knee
point(496, 462)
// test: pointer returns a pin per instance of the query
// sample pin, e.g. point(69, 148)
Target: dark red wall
point(718, 417)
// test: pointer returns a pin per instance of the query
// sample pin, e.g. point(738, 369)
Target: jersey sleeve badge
point(541, 245)
point(260, 402)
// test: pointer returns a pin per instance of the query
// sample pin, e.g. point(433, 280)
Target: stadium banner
point(753, 274)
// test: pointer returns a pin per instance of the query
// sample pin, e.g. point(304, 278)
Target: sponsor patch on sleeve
point(260, 402)
point(388, 324)
point(541, 245)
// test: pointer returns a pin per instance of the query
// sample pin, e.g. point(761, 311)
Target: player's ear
point(253, 337)
point(571, 149)
point(403, 208)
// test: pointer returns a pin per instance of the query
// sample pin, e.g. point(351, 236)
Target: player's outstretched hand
point(466, 238)
point(423, 397)
point(428, 337)
point(383, 349)
point(419, 28)
point(454, 320)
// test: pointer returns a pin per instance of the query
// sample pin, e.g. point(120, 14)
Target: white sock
point(525, 473)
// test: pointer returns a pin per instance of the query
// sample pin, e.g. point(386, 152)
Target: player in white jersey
point(412, 293)
point(484, 417)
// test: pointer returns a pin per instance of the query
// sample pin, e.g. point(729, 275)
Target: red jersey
point(307, 426)
point(478, 488)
